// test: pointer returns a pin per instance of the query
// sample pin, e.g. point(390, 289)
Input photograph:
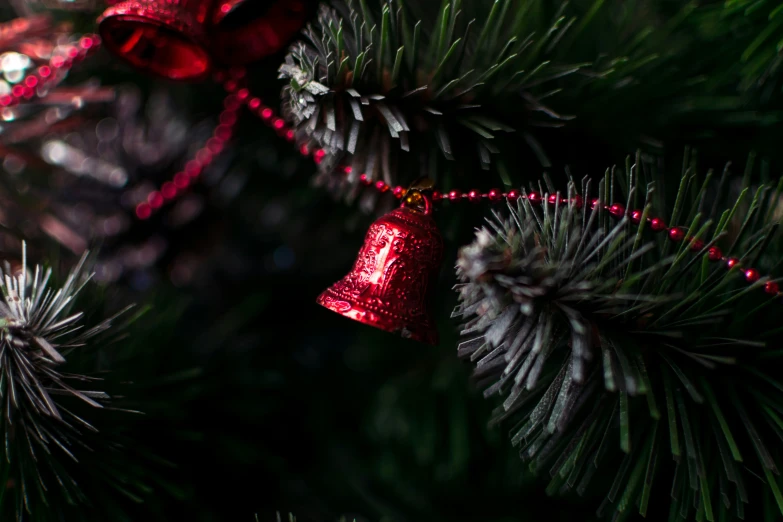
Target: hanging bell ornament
point(168, 38)
point(247, 30)
point(183, 39)
point(390, 283)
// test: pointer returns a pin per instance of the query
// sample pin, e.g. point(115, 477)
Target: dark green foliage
point(41, 420)
point(71, 452)
point(295, 409)
point(391, 95)
point(757, 31)
point(682, 73)
point(616, 350)
point(397, 91)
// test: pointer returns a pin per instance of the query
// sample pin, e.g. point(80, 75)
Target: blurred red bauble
point(248, 30)
point(390, 283)
point(163, 37)
point(184, 39)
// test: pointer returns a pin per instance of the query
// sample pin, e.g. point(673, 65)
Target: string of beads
point(182, 180)
point(34, 84)
point(240, 95)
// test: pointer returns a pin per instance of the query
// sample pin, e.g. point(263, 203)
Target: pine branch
point(50, 409)
point(757, 32)
point(391, 96)
point(601, 337)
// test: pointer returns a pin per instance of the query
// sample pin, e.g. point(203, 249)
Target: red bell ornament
point(247, 30)
point(183, 39)
point(168, 38)
point(390, 283)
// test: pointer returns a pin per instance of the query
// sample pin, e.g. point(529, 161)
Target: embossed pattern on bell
point(390, 282)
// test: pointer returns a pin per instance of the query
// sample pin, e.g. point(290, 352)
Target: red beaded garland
point(143, 210)
point(714, 254)
point(657, 224)
point(169, 190)
point(181, 180)
point(26, 88)
point(617, 210)
point(155, 199)
point(173, 188)
point(676, 234)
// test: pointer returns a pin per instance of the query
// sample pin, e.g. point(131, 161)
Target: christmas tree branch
point(600, 335)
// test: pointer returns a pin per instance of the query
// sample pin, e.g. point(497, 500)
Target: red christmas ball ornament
point(751, 275)
point(513, 195)
point(636, 217)
point(771, 287)
point(455, 195)
point(390, 283)
point(474, 196)
point(167, 38)
point(714, 254)
point(533, 197)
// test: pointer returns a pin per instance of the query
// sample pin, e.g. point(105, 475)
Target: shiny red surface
point(243, 36)
point(390, 283)
point(163, 37)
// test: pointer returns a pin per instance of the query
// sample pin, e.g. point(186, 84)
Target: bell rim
point(175, 28)
point(422, 334)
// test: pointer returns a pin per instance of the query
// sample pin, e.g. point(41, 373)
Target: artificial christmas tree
point(602, 329)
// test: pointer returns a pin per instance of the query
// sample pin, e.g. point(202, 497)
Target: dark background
point(291, 407)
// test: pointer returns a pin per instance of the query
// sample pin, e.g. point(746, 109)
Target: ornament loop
point(417, 201)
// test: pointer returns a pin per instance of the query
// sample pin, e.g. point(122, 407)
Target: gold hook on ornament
point(415, 197)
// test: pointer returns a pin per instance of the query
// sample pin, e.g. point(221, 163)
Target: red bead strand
point(174, 188)
point(617, 210)
point(33, 85)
